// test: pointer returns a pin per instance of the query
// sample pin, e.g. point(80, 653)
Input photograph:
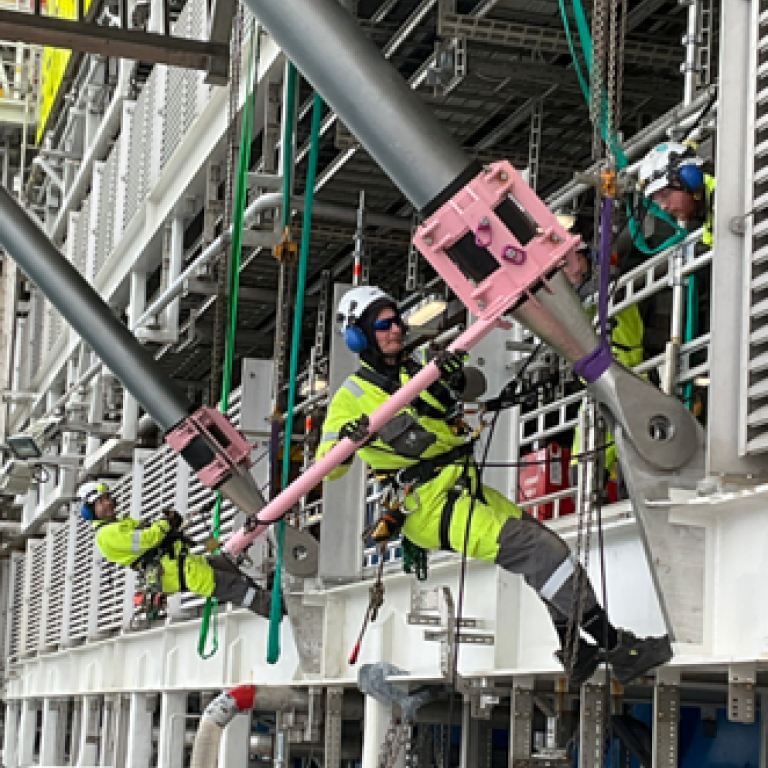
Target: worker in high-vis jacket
point(425, 454)
point(671, 175)
point(161, 548)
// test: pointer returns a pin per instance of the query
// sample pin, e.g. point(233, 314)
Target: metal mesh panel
point(16, 609)
point(5, 585)
point(136, 152)
point(198, 29)
point(173, 123)
point(105, 228)
point(56, 595)
point(81, 237)
point(81, 579)
point(36, 559)
point(112, 586)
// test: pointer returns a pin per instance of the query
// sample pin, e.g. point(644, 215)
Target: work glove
point(451, 366)
point(357, 430)
point(174, 518)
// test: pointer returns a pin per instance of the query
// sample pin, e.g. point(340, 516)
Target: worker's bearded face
point(678, 204)
point(390, 341)
point(105, 507)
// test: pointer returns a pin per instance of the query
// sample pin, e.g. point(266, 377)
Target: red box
point(546, 472)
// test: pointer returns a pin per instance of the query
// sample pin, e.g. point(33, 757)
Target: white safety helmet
point(354, 303)
point(351, 308)
point(671, 165)
point(89, 494)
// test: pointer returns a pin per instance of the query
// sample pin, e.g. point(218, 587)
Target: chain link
point(620, 64)
point(396, 738)
point(233, 149)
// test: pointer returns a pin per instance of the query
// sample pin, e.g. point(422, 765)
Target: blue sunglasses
point(388, 322)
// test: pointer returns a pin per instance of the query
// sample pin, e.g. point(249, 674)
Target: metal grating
point(36, 559)
point(755, 378)
point(105, 229)
point(137, 152)
point(5, 585)
point(16, 607)
point(56, 589)
point(81, 237)
point(81, 579)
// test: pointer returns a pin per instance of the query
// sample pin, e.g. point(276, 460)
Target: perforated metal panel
point(35, 560)
point(16, 606)
point(80, 252)
point(106, 222)
point(56, 595)
point(137, 150)
point(81, 580)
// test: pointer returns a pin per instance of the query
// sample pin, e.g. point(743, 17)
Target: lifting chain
point(610, 86)
point(598, 59)
point(398, 735)
point(220, 310)
point(620, 64)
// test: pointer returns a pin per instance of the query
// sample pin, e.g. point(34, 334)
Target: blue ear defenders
point(87, 513)
point(355, 339)
point(690, 178)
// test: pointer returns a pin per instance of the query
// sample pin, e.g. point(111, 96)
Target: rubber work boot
point(587, 661)
point(634, 656)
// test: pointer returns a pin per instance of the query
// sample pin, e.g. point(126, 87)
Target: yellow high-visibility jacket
point(124, 540)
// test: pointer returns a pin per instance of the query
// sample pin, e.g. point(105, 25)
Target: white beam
point(173, 709)
point(139, 731)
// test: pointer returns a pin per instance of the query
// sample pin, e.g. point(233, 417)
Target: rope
point(273, 646)
point(211, 609)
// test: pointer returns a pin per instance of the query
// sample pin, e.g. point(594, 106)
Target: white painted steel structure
point(74, 670)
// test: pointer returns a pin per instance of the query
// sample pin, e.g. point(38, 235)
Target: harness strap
point(427, 469)
point(445, 520)
point(437, 390)
point(181, 561)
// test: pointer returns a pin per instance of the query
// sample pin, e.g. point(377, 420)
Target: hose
point(241, 193)
point(217, 716)
point(273, 645)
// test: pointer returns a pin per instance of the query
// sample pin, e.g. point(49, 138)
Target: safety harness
point(149, 564)
point(401, 482)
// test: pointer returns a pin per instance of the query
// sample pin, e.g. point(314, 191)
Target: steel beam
point(110, 41)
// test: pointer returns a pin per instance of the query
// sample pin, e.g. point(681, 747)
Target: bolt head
point(428, 241)
point(503, 175)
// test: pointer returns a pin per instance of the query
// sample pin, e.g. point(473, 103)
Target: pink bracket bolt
point(483, 234)
point(233, 452)
point(514, 255)
point(521, 265)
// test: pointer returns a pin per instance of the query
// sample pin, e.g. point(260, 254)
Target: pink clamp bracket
point(521, 265)
point(232, 451)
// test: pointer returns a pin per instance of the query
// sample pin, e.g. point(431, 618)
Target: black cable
point(462, 574)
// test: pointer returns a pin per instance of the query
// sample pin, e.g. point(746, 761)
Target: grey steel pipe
point(367, 92)
point(91, 318)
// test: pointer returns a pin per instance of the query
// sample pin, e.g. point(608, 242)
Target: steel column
point(11, 734)
point(170, 747)
point(88, 737)
point(139, 731)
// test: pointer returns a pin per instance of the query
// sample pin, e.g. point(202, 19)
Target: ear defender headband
point(682, 176)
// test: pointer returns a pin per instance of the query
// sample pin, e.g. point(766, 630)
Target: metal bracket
point(592, 726)
point(482, 694)
point(666, 717)
point(372, 681)
point(742, 679)
point(231, 452)
point(435, 608)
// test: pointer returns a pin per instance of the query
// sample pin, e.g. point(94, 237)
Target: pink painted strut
point(345, 448)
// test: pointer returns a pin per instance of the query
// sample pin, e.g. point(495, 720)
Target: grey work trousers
point(233, 586)
point(543, 559)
